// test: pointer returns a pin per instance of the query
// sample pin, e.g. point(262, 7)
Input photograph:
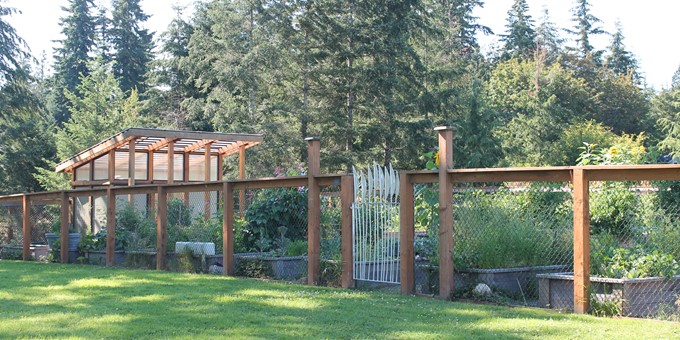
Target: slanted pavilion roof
point(157, 140)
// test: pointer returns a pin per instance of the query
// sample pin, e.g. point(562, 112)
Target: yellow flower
point(436, 159)
point(614, 151)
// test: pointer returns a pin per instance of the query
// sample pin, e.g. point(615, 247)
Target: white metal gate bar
point(375, 225)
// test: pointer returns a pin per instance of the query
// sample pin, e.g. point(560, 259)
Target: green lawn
point(50, 300)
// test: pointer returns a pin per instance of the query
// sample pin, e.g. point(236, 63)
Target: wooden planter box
point(636, 297)
point(283, 268)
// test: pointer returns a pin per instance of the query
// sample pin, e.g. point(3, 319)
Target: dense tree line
point(371, 78)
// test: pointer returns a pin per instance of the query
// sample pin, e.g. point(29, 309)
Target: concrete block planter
point(521, 280)
point(637, 297)
point(283, 268)
point(73, 240)
point(98, 257)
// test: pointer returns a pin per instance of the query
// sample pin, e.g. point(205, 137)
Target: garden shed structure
point(138, 156)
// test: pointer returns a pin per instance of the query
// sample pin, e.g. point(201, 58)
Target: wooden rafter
point(198, 145)
point(235, 147)
point(161, 144)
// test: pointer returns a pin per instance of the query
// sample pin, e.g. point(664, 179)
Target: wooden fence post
point(161, 228)
point(228, 229)
point(446, 284)
point(110, 227)
point(346, 199)
point(65, 217)
point(313, 212)
point(26, 227)
point(581, 240)
point(406, 235)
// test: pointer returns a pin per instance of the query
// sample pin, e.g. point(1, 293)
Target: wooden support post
point(110, 227)
point(10, 230)
point(446, 284)
point(346, 200)
point(26, 227)
point(242, 175)
point(65, 217)
point(228, 229)
point(220, 166)
point(581, 240)
point(171, 162)
point(132, 167)
point(206, 195)
point(406, 235)
point(185, 174)
point(313, 212)
point(112, 166)
point(150, 198)
point(161, 228)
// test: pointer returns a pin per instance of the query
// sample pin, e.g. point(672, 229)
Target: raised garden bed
point(282, 268)
point(521, 280)
point(98, 257)
point(636, 297)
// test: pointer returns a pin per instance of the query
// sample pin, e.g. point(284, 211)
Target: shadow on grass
point(41, 300)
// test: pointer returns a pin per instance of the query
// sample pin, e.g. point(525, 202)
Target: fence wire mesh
point(635, 249)
point(505, 234)
point(11, 237)
point(331, 237)
point(270, 234)
point(194, 231)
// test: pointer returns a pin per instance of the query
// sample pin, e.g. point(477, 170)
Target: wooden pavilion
point(138, 156)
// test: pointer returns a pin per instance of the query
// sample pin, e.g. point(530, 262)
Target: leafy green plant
point(331, 273)
point(634, 262)
point(273, 208)
point(501, 230)
point(613, 208)
point(296, 248)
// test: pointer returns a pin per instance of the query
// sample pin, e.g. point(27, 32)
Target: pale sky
point(650, 27)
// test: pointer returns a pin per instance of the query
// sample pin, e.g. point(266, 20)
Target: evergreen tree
point(675, 81)
point(71, 58)
point(585, 27)
point(548, 40)
point(619, 60)
point(12, 48)
point(520, 40)
point(132, 45)
point(172, 84)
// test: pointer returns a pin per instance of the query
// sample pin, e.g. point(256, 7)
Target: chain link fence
point(11, 236)
point(505, 234)
point(635, 252)
point(270, 235)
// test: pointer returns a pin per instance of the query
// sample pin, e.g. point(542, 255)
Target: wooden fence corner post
point(581, 240)
point(26, 227)
point(65, 217)
point(347, 198)
point(228, 229)
point(161, 228)
point(110, 227)
point(406, 235)
point(446, 284)
point(313, 212)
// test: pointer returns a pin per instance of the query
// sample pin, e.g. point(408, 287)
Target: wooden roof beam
point(198, 145)
point(233, 148)
point(161, 144)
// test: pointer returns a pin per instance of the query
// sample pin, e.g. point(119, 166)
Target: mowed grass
point(74, 301)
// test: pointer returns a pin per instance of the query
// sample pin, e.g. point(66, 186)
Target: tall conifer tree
point(132, 45)
point(72, 57)
point(520, 40)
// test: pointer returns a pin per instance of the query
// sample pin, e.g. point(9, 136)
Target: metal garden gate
point(375, 225)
